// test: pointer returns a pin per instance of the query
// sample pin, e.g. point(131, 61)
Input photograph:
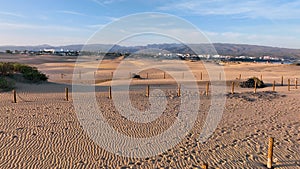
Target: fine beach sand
point(42, 130)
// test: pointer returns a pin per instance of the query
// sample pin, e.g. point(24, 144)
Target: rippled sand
point(42, 130)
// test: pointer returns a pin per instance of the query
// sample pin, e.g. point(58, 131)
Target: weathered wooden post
point(67, 94)
point(240, 77)
point(109, 92)
point(289, 85)
point(261, 77)
point(14, 96)
point(112, 74)
point(207, 88)
point(204, 166)
point(296, 83)
point(179, 90)
point(201, 76)
point(232, 88)
point(281, 80)
point(255, 84)
point(147, 76)
point(148, 91)
point(274, 86)
point(270, 153)
point(164, 75)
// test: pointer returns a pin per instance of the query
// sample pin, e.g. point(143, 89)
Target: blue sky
point(60, 22)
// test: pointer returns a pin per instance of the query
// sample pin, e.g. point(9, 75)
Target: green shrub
point(6, 68)
point(28, 72)
point(6, 84)
point(34, 76)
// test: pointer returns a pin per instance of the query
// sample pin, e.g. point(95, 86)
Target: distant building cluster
point(230, 58)
point(61, 52)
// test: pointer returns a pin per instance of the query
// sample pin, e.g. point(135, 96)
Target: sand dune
point(42, 130)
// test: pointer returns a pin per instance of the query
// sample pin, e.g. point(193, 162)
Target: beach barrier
point(14, 96)
point(289, 85)
point(270, 152)
point(109, 92)
point(281, 80)
point(207, 88)
point(148, 91)
point(296, 83)
point(67, 94)
point(179, 90)
point(274, 86)
point(232, 88)
point(201, 76)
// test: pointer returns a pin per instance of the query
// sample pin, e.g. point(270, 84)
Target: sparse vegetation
point(6, 84)
point(8, 70)
point(251, 82)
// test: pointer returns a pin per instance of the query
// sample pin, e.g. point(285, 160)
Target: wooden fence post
point(261, 77)
point(232, 88)
point(270, 153)
point(67, 93)
point(147, 76)
point(240, 77)
point(164, 75)
point(296, 83)
point(179, 90)
point(201, 76)
point(274, 86)
point(255, 84)
point(109, 92)
point(289, 85)
point(148, 91)
point(14, 96)
point(207, 88)
point(281, 80)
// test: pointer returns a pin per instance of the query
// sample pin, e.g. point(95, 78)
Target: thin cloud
point(73, 13)
point(269, 9)
point(12, 14)
point(9, 26)
point(105, 2)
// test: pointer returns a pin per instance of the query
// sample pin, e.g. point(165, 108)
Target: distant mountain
point(221, 48)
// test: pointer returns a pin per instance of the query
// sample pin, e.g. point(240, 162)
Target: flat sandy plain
point(42, 129)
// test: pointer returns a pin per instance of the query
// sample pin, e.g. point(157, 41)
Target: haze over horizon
point(265, 22)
